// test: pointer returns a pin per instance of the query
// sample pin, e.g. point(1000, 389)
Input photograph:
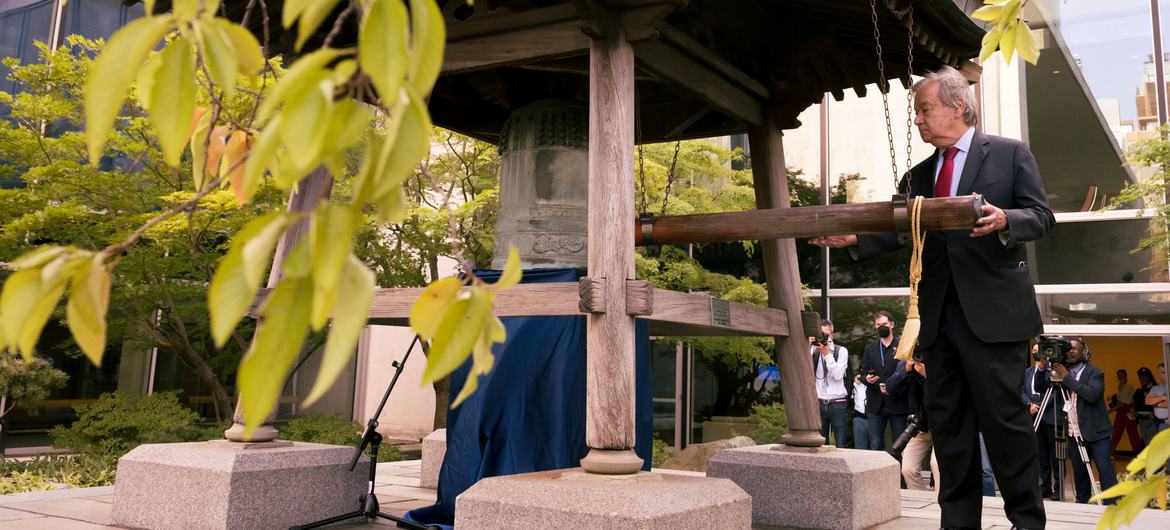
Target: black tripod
point(368, 501)
point(1063, 435)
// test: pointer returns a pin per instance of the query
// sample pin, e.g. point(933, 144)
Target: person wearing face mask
point(877, 365)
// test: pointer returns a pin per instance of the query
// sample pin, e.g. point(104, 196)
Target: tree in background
point(160, 290)
point(26, 384)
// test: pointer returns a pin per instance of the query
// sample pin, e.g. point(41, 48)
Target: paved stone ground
point(398, 492)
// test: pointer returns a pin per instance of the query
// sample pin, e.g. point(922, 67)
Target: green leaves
point(278, 341)
point(311, 14)
point(354, 297)
point(307, 119)
point(247, 51)
point(306, 71)
point(237, 278)
point(89, 299)
point(458, 331)
point(112, 73)
point(427, 312)
point(219, 55)
point(459, 323)
point(172, 98)
point(428, 37)
point(1009, 32)
point(331, 232)
point(31, 294)
point(1141, 486)
point(511, 274)
point(382, 40)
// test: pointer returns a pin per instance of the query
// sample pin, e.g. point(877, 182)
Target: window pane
point(1096, 252)
point(98, 18)
point(1106, 308)
point(1090, 97)
point(853, 321)
point(21, 23)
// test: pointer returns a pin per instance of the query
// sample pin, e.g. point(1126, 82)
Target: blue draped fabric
point(529, 412)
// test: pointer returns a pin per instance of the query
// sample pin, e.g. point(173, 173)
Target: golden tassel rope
point(913, 322)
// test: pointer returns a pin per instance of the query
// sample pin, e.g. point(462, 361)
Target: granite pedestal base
point(572, 499)
point(813, 487)
point(434, 450)
point(224, 485)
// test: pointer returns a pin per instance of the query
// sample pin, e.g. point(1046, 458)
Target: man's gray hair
point(952, 88)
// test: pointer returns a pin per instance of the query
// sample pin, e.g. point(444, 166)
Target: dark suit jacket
point(911, 385)
point(991, 279)
point(875, 401)
point(1091, 409)
point(1041, 388)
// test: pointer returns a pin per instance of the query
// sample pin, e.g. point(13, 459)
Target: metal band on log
point(945, 213)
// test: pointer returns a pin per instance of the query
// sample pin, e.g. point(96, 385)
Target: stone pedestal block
point(434, 450)
point(573, 499)
point(813, 487)
point(223, 485)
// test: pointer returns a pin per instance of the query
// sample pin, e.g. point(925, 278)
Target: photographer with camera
point(1035, 384)
point(1088, 419)
point(914, 444)
point(829, 363)
point(877, 365)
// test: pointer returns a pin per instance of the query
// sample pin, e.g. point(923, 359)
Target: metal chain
point(884, 88)
point(909, 95)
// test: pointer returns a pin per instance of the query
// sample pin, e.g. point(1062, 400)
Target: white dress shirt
point(830, 372)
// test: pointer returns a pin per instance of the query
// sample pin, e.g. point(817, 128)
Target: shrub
point(333, 430)
point(321, 429)
point(45, 473)
point(119, 422)
point(661, 455)
point(771, 422)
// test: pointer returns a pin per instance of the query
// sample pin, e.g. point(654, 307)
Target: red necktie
point(942, 184)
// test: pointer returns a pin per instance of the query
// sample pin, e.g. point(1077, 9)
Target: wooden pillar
point(609, 416)
point(311, 190)
point(783, 275)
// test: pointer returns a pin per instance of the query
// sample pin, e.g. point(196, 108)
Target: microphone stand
point(368, 502)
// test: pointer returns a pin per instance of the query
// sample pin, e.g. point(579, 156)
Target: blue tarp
point(529, 412)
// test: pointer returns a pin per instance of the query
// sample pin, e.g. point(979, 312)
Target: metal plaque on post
point(720, 312)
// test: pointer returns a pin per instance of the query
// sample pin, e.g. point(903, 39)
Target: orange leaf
point(199, 112)
point(215, 148)
point(237, 148)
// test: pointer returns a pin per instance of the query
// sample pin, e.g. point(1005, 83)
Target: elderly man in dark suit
point(1086, 386)
point(977, 302)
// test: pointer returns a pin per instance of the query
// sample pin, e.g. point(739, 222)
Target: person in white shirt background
point(829, 363)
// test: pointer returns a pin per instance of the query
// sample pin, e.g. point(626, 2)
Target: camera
point(917, 355)
point(821, 339)
point(914, 425)
point(1053, 348)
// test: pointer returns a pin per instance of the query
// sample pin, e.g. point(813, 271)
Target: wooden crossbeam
point(946, 213)
point(519, 45)
point(669, 312)
point(537, 35)
point(690, 75)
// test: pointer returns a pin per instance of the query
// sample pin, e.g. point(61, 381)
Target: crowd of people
point(883, 399)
